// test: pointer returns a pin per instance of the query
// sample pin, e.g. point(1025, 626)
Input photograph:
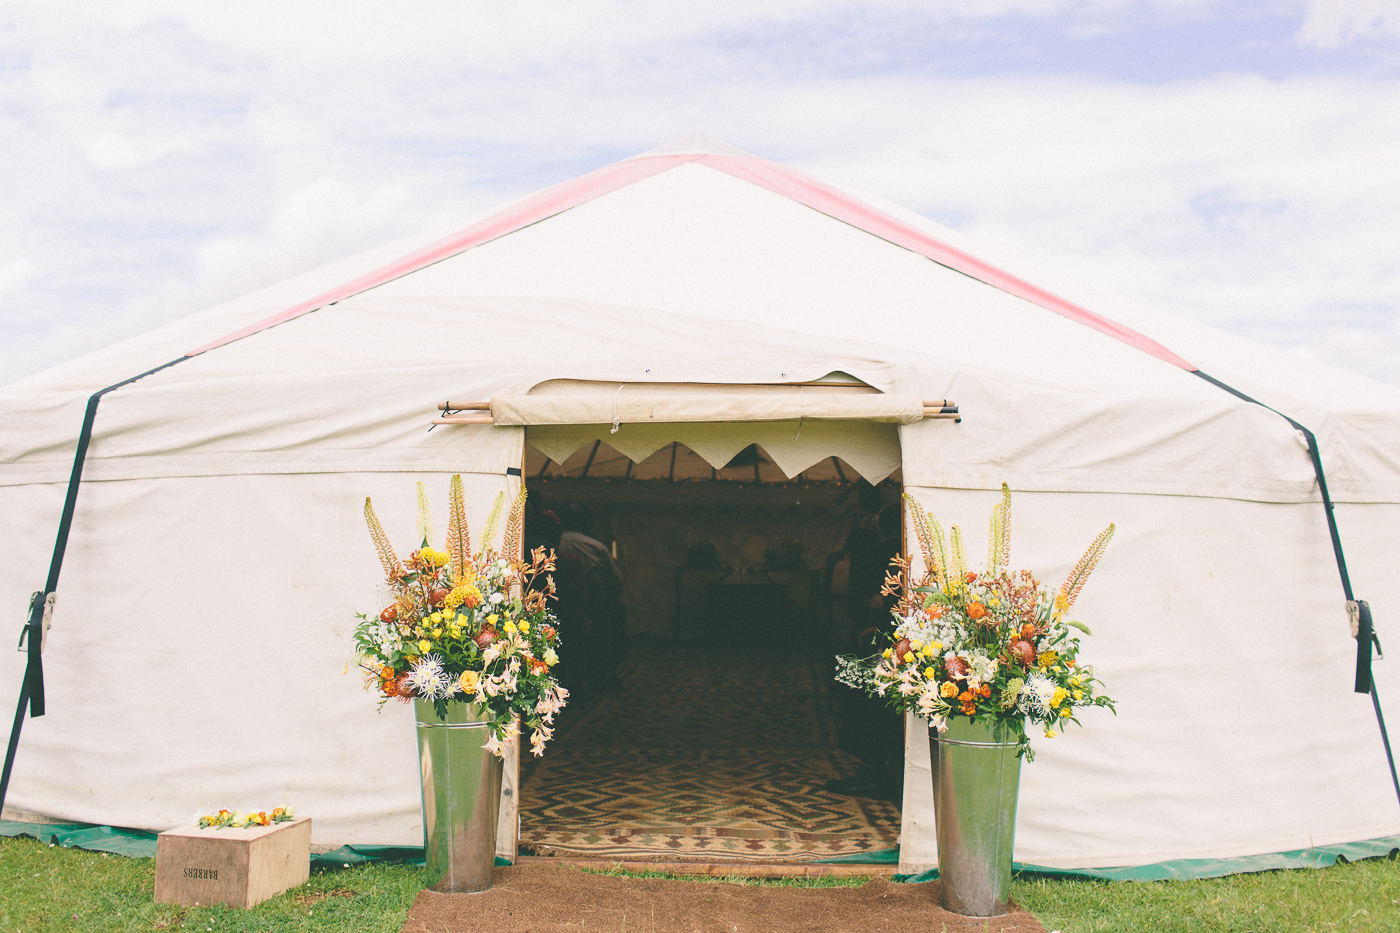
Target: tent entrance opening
point(700, 611)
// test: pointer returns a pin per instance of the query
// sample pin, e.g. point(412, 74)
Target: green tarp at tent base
point(137, 843)
point(1191, 869)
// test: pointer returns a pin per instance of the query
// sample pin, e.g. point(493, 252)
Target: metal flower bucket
point(461, 796)
point(976, 777)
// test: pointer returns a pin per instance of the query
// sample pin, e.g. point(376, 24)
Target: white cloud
point(165, 157)
point(1330, 24)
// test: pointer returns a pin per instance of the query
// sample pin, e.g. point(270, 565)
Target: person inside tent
point(870, 730)
point(605, 648)
point(570, 605)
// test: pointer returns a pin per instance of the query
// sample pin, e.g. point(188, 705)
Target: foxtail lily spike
point(393, 570)
point(1080, 574)
point(511, 541)
point(491, 520)
point(425, 517)
point(459, 539)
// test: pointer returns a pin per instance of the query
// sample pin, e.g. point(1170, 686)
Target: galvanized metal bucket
point(976, 777)
point(461, 796)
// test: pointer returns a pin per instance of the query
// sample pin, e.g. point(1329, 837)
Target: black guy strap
point(31, 692)
point(1357, 609)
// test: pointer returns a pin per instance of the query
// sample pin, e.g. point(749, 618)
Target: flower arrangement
point(230, 820)
point(973, 644)
point(467, 628)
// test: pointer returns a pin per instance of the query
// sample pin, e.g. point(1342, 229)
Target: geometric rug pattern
point(707, 752)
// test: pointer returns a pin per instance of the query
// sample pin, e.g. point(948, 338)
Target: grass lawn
point(44, 888)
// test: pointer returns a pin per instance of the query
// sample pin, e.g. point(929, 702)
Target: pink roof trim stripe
point(843, 207)
point(765, 174)
point(539, 206)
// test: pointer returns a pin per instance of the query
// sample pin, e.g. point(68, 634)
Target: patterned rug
point(707, 752)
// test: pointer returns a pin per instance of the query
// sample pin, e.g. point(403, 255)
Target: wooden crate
point(236, 867)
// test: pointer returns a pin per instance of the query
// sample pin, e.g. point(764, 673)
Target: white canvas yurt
point(694, 302)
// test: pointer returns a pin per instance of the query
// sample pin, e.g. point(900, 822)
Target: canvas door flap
point(624, 408)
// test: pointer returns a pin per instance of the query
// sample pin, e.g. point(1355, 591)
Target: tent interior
point(706, 724)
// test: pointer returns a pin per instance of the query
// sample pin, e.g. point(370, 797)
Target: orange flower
point(948, 689)
point(976, 610)
point(985, 690)
point(971, 576)
point(966, 697)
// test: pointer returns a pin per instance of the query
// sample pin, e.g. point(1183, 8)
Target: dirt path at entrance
point(539, 899)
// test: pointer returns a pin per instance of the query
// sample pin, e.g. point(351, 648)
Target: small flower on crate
point(993, 644)
point(230, 820)
point(467, 628)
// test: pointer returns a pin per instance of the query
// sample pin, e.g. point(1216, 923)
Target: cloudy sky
point(1238, 163)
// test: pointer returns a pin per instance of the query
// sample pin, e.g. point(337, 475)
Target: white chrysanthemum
point(429, 680)
point(1036, 695)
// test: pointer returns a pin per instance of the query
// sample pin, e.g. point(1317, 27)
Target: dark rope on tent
point(1365, 632)
point(31, 692)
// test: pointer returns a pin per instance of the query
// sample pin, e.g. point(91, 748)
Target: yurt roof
point(697, 262)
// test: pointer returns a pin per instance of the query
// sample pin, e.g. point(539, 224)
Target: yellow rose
point(930, 672)
point(948, 689)
point(424, 645)
point(525, 627)
point(468, 681)
point(1058, 697)
point(491, 619)
point(509, 626)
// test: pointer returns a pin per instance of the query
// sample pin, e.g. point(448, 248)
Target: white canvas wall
point(1219, 627)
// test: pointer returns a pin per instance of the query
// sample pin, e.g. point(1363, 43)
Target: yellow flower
point(433, 558)
point(1064, 713)
point(1058, 697)
point(937, 646)
point(491, 619)
point(1050, 733)
point(509, 626)
point(1048, 658)
point(915, 644)
point(1076, 681)
point(435, 618)
point(908, 656)
point(550, 657)
point(465, 594)
point(424, 645)
point(927, 651)
point(889, 652)
point(1061, 605)
point(525, 627)
point(930, 672)
point(1078, 695)
point(468, 681)
point(948, 689)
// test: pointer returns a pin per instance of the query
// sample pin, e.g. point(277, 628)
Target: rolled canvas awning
point(662, 409)
point(796, 424)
